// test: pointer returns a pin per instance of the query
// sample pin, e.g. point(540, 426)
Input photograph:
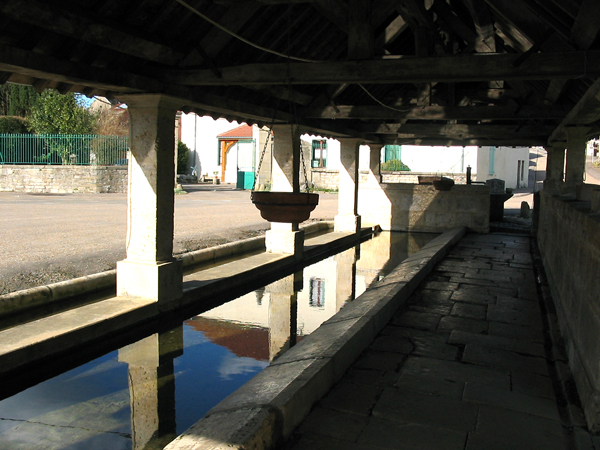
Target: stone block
point(417, 407)
point(382, 361)
point(470, 311)
point(352, 398)
point(335, 424)
point(412, 436)
point(415, 319)
point(431, 386)
point(283, 241)
point(347, 223)
point(457, 372)
point(501, 342)
point(253, 428)
point(524, 431)
point(505, 359)
point(514, 401)
point(450, 323)
point(161, 282)
point(340, 342)
point(291, 389)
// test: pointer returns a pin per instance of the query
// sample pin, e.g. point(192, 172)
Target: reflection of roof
point(242, 339)
point(245, 341)
point(241, 132)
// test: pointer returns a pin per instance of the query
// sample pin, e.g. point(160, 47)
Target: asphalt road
point(53, 237)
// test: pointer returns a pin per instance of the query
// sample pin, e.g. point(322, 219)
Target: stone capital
point(150, 101)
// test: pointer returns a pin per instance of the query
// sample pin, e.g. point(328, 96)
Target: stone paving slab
point(463, 365)
point(387, 434)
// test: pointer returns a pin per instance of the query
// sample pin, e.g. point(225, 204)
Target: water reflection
point(152, 387)
point(147, 392)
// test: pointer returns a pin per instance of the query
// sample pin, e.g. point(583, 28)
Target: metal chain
point(262, 155)
point(304, 168)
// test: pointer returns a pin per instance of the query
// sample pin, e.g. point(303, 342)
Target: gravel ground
point(55, 237)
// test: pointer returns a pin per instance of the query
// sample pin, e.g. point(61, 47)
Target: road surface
point(53, 237)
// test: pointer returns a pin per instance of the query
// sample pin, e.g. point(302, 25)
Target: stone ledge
point(27, 299)
point(296, 381)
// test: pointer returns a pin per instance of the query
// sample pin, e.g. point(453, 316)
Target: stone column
point(555, 164)
point(374, 176)
point(576, 148)
point(150, 271)
point(285, 237)
point(283, 312)
point(347, 218)
point(152, 387)
point(345, 271)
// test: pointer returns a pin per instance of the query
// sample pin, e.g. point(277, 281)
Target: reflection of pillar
point(555, 164)
point(347, 218)
point(152, 387)
point(345, 269)
point(150, 271)
point(576, 148)
point(285, 237)
point(283, 311)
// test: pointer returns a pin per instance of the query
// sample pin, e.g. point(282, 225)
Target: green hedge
point(394, 165)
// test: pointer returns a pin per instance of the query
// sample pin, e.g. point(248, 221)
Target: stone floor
point(468, 363)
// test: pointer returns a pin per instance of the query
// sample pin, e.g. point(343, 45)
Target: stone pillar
point(285, 237)
point(345, 271)
point(150, 271)
point(283, 312)
point(347, 218)
point(555, 165)
point(374, 175)
point(152, 387)
point(576, 152)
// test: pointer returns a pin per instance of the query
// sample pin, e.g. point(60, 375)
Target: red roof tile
point(241, 132)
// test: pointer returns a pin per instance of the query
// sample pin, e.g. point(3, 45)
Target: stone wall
point(63, 179)
point(330, 179)
point(413, 177)
point(413, 207)
point(325, 178)
point(569, 242)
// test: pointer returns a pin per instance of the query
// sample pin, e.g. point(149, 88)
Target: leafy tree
point(394, 165)
point(183, 152)
point(14, 125)
point(56, 113)
point(17, 100)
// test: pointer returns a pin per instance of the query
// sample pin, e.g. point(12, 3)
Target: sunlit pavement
point(466, 364)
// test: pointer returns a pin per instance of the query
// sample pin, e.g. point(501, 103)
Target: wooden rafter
point(481, 67)
point(434, 113)
point(65, 23)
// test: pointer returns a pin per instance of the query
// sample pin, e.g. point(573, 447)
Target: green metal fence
point(63, 149)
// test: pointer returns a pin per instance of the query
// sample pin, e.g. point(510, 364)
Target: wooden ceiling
point(430, 72)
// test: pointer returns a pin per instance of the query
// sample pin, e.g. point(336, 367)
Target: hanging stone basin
point(286, 207)
point(443, 183)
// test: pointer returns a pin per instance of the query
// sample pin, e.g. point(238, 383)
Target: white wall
point(505, 165)
point(333, 152)
point(200, 135)
point(439, 159)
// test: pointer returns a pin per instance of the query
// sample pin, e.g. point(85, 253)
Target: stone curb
point(20, 301)
point(271, 405)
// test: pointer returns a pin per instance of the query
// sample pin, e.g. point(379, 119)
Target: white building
point(217, 150)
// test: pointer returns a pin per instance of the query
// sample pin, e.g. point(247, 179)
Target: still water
point(144, 394)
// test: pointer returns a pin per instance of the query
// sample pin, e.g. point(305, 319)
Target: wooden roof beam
point(585, 112)
point(480, 67)
point(458, 131)
point(65, 23)
point(348, 112)
point(587, 25)
point(361, 43)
